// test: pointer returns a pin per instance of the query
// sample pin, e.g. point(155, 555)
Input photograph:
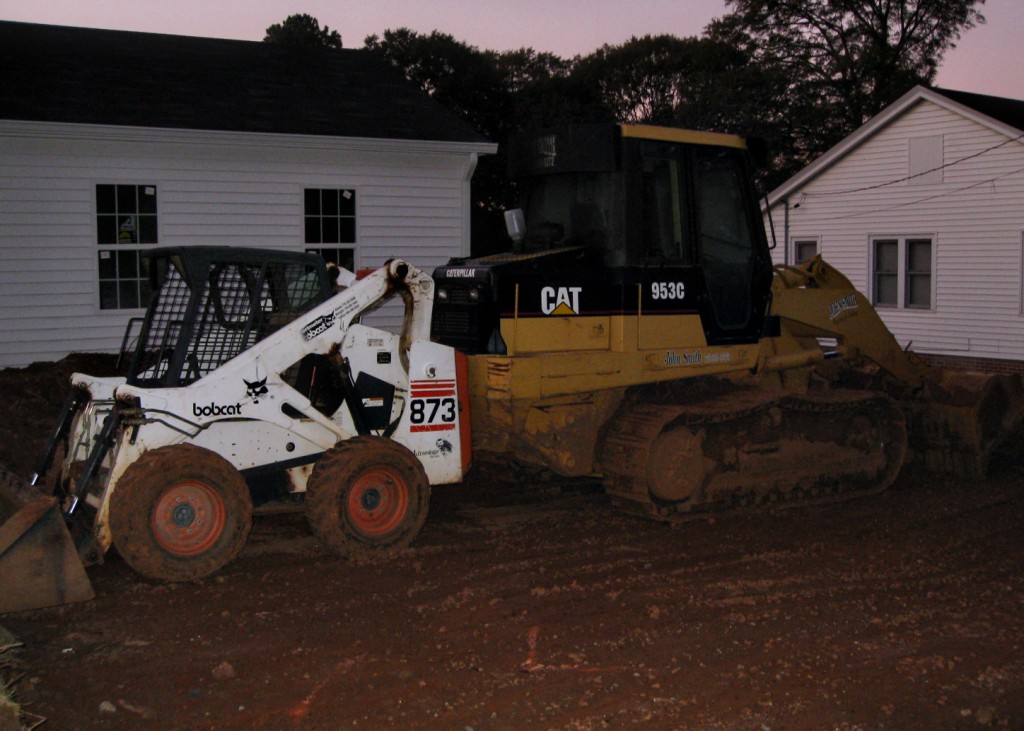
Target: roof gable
point(1003, 115)
point(87, 76)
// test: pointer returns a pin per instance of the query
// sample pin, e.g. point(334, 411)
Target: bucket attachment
point(39, 566)
point(965, 420)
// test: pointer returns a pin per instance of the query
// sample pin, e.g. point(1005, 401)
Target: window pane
point(919, 255)
point(347, 231)
point(885, 289)
point(347, 203)
point(147, 230)
point(105, 199)
point(106, 230)
point(805, 250)
point(129, 292)
point(919, 290)
point(108, 295)
point(126, 230)
point(886, 256)
point(313, 230)
point(128, 265)
point(126, 199)
point(311, 205)
point(147, 199)
point(108, 265)
point(329, 202)
point(330, 231)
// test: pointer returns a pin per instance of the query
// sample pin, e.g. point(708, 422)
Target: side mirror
point(515, 224)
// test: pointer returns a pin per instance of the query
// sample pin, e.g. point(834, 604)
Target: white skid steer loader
point(252, 382)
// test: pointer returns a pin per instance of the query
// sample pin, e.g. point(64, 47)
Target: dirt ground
point(526, 608)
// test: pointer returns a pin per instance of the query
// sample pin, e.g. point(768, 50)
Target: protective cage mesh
point(190, 332)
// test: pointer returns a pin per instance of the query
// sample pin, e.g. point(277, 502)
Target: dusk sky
point(987, 60)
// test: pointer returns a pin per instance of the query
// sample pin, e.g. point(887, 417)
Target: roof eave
point(875, 125)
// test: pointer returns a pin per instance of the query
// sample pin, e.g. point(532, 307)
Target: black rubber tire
point(155, 538)
point(367, 496)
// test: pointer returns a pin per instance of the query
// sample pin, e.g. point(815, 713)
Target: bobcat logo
point(255, 389)
point(444, 445)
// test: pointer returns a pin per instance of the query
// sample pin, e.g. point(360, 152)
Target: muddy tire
point(367, 496)
point(180, 513)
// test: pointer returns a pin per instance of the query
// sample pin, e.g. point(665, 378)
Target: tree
point(302, 30)
point(844, 59)
point(638, 80)
point(463, 78)
point(545, 92)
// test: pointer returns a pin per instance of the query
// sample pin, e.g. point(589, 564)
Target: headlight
point(442, 295)
point(474, 295)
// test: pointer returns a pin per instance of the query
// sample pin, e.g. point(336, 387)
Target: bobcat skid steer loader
point(250, 377)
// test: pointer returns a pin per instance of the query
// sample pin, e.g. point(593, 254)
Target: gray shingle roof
point(1007, 111)
point(87, 76)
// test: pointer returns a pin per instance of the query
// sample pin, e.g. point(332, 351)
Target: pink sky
point(986, 61)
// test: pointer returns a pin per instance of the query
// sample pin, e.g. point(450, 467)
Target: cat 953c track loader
point(250, 382)
point(639, 332)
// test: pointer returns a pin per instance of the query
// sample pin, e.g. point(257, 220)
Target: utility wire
point(927, 198)
point(915, 175)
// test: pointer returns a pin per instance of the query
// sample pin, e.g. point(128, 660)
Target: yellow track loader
point(638, 332)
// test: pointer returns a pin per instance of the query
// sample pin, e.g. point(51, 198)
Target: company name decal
point(695, 357)
point(835, 309)
point(319, 325)
point(217, 410)
point(461, 273)
point(560, 300)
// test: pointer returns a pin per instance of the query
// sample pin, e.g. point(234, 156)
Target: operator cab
point(608, 209)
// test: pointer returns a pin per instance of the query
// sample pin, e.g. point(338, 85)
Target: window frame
point(339, 219)
point(902, 273)
point(140, 277)
point(797, 241)
point(339, 247)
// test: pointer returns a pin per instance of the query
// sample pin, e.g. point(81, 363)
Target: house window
point(902, 272)
point(330, 216)
point(126, 225)
point(804, 250)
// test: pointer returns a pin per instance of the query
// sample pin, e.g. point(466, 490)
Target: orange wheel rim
point(378, 501)
point(188, 518)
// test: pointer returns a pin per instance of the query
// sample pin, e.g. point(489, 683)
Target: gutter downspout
point(467, 203)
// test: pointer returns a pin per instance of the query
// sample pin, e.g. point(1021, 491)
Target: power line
point(915, 175)
point(928, 197)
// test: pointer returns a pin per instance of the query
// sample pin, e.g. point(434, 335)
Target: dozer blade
point(39, 566)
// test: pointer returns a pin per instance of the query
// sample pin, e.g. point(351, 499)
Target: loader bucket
point(39, 566)
point(965, 420)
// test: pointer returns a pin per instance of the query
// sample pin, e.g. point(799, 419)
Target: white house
point(112, 143)
point(923, 209)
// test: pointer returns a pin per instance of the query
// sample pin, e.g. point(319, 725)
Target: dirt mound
point(33, 397)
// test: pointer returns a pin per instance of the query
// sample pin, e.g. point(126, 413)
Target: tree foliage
point(302, 30)
point(800, 73)
point(843, 60)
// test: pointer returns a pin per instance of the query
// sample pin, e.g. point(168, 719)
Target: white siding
point(212, 188)
point(974, 213)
